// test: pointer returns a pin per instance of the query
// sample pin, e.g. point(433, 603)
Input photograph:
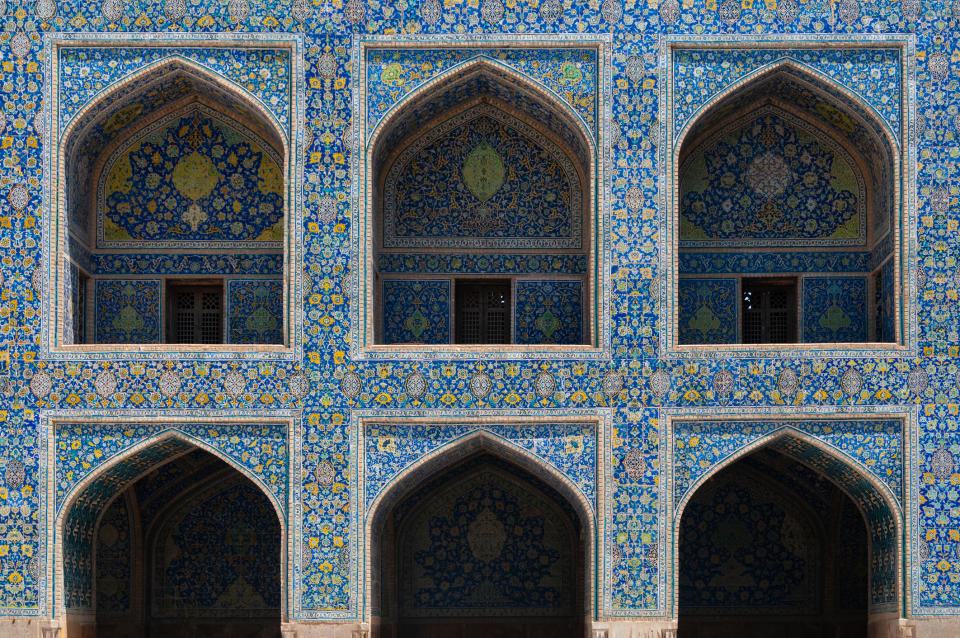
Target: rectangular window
point(769, 310)
point(482, 311)
point(195, 313)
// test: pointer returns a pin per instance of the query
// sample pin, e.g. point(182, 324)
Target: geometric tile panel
point(416, 311)
point(549, 311)
point(708, 310)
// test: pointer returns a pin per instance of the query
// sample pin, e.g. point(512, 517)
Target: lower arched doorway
point(769, 546)
point(480, 549)
point(172, 541)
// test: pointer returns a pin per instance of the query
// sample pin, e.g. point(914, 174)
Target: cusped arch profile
point(478, 442)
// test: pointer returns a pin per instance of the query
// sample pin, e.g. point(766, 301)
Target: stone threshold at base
point(882, 627)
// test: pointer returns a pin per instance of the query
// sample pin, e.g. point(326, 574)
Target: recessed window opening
point(195, 312)
point(183, 176)
point(769, 310)
point(483, 311)
point(787, 218)
point(482, 179)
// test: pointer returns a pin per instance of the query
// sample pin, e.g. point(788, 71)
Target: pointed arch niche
point(787, 216)
point(479, 536)
point(174, 186)
point(480, 218)
point(170, 536)
point(802, 539)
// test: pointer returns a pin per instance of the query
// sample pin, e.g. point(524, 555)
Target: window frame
point(171, 287)
point(366, 319)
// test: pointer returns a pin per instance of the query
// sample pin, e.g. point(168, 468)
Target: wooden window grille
point(483, 311)
point(769, 311)
point(195, 313)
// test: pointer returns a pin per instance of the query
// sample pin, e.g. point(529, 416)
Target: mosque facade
point(479, 318)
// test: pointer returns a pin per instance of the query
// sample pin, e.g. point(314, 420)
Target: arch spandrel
point(444, 77)
point(479, 76)
point(547, 453)
point(849, 75)
point(700, 446)
point(156, 82)
point(108, 444)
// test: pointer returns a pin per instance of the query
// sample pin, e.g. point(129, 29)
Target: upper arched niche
point(175, 156)
point(787, 159)
point(482, 158)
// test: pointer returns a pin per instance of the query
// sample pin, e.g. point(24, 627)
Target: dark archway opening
point(771, 547)
point(190, 548)
point(483, 549)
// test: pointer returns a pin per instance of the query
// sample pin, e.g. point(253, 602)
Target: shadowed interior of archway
point(771, 547)
point(190, 548)
point(482, 549)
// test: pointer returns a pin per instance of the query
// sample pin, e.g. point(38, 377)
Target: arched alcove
point(175, 190)
point(787, 191)
point(482, 188)
point(483, 548)
point(441, 483)
point(170, 539)
point(787, 537)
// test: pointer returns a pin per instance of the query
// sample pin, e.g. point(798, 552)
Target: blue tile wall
point(548, 311)
point(417, 311)
point(127, 311)
point(834, 309)
point(635, 98)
